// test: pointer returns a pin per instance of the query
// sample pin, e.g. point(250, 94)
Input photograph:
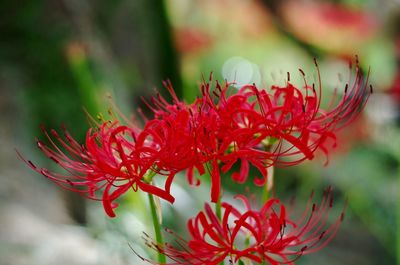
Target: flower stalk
point(157, 228)
point(155, 218)
point(398, 225)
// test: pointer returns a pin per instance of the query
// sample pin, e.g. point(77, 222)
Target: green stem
point(398, 224)
point(266, 194)
point(148, 177)
point(218, 213)
point(157, 228)
point(218, 209)
point(156, 224)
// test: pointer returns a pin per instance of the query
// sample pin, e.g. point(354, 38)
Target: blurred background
point(60, 57)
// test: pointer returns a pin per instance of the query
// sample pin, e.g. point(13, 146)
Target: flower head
point(282, 126)
point(110, 162)
point(267, 235)
point(220, 130)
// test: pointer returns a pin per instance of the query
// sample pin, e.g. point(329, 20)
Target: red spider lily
point(110, 161)
point(225, 127)
point(280, 128)
point(220, 129)
point(186, 135)
point(183, 134)
point(265, 236)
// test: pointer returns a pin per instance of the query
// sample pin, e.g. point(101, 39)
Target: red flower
point(248, 127)
point(334, 27)
point(187, 138)
point(223, 127)
point(181, 133)
point(283, 127)
point(267, 235)
point(110, 161)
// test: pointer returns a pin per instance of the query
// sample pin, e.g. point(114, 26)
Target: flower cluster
point(223, 127)
point(265, 236)
point(225, 131)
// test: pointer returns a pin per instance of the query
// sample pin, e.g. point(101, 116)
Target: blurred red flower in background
point(334, 27)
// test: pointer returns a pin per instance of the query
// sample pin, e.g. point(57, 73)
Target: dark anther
point(322, 235)
point(303, 248)
point(32, 165)
point(341, 217)
point(54, 159)
point(70, 182)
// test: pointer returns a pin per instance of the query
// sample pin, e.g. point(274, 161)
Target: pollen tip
point(322, 235)
point(341, 217)
point(54, 159)
point(31, 164)
point(70, 182)
point(371, 89)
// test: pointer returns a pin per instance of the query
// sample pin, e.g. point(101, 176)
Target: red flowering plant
point(265, 236)
point(224, 127)
point(109, 161)
point(262, 129)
